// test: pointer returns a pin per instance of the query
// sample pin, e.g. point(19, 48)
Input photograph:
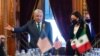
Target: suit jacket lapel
point(72, 31)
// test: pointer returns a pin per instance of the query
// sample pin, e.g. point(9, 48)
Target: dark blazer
point(31, 28)
point(92, 32)
point(79, 31)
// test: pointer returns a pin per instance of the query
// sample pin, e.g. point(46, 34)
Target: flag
point(73, 43)
point(83, 43)
point(44, 43)
point(57, 44)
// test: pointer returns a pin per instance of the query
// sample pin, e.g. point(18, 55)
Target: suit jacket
point(31, 28)
point(92, 32)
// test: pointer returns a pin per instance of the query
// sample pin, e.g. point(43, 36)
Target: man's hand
point(2, 36)
point(8, 27)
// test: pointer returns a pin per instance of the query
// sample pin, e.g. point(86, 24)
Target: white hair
point(38, 11)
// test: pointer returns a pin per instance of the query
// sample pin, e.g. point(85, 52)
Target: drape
point(62, 10)
point(94, 11)
point(26, 9)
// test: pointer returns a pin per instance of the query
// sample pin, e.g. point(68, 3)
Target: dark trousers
point(2, 53)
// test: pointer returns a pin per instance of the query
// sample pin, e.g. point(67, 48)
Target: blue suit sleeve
point(21, 29)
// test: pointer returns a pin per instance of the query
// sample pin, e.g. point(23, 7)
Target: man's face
point(38, 16)
point(87, 16)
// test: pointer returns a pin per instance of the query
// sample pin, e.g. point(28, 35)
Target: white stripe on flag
point(83, 44)
point(82, 40)
point(73, 43)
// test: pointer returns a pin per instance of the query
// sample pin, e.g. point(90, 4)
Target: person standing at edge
point(76, 28)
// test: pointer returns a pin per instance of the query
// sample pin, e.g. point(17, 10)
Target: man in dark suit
point(89, 23)
point(34, 27)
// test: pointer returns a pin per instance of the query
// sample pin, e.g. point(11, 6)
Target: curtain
point(62, 10)
point(94, 10)
point(26, 8)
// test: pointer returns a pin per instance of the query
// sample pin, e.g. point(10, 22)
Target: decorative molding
point(79, 5)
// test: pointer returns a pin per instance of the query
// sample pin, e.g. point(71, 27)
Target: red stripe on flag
point(84, 47)
point(74, 46)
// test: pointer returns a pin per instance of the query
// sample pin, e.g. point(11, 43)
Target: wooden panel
point(79, 5)
point(7, 16)
point(1, 20)
point(0, 10)
point(74, 5)
point(11, 21)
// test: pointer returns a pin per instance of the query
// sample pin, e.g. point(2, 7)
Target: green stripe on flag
point(83, 31)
